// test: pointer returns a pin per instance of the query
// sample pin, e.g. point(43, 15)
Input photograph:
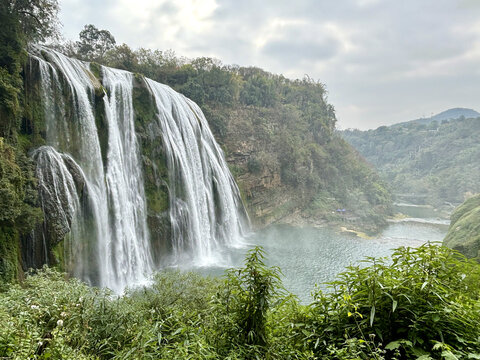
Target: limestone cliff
point(287, 175)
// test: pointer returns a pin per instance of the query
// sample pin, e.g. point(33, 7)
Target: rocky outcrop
point(287, 176)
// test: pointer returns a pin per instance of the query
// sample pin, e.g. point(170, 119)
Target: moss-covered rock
point(18, 211)
point(155, 169)
point(464, 232)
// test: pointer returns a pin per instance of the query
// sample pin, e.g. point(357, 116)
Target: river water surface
point(308, 256)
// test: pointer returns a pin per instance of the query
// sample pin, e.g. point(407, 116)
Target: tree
point(247, 298)
point(22, 21)
point(122, 57)
point(258, 91)
point(94, 43)
point(37, 18)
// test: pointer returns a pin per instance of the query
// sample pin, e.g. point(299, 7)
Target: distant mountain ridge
point(450, 114)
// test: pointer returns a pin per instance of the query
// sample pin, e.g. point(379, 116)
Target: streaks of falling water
point(129, 246)
point(109, 238)
point(61, 183)
point(115, 189)
point(205, 209)
point(74, 132)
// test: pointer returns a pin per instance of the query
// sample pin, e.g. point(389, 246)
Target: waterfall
point(129, 243)
point(61, 186)
point(204, 199)
point(91, 180)
point(118, 254)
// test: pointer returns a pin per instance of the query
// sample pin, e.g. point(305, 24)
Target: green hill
point(464, 232)
point(433, 164)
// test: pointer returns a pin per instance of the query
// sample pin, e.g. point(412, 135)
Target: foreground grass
point(420, 304)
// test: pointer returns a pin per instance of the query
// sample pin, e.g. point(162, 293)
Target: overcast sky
point(382, 61)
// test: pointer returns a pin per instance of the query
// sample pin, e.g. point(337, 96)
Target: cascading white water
point(204, 199)
point(129, 243)
point(71, 128)
point(115, 189)
point(60, 193)
point(109, 241)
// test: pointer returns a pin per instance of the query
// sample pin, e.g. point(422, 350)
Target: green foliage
point(37, 18)
point(9, 103)
point(461, 211)
point(18, 210)
point(9, 254)
point(244, 302)
point(438, 162)
point(17, 190)
point(258, 91)
point(177, 316)
point(94, 43)
point(53, 318)
point(11, 185)
point(11, 60)
point(155, 166)
point(464, 231)
point(217, 120)
point(254, 165)
point(421, 304)
point(423, 301)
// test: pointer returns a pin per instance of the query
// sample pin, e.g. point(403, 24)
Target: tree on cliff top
point(37, 18)
point(94, 43)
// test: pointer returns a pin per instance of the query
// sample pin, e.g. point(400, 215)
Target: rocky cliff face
point(286, 175)
point(256, 166)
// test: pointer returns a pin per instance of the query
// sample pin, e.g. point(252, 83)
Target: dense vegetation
point(464, 232)
point(437, 162)
point(21, 22)
point(420, 304)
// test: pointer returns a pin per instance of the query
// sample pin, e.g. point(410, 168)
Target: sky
point(382, 61)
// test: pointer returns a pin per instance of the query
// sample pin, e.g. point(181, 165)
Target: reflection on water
point(309, 256)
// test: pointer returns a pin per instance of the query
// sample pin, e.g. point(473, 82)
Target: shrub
point(421, 304)
point(244, 302)
point(424, 301)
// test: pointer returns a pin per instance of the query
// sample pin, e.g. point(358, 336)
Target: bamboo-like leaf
point(372, 314)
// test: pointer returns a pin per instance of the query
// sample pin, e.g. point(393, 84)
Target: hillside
point(464, 232)
point(280, 142)
point(436, 164)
